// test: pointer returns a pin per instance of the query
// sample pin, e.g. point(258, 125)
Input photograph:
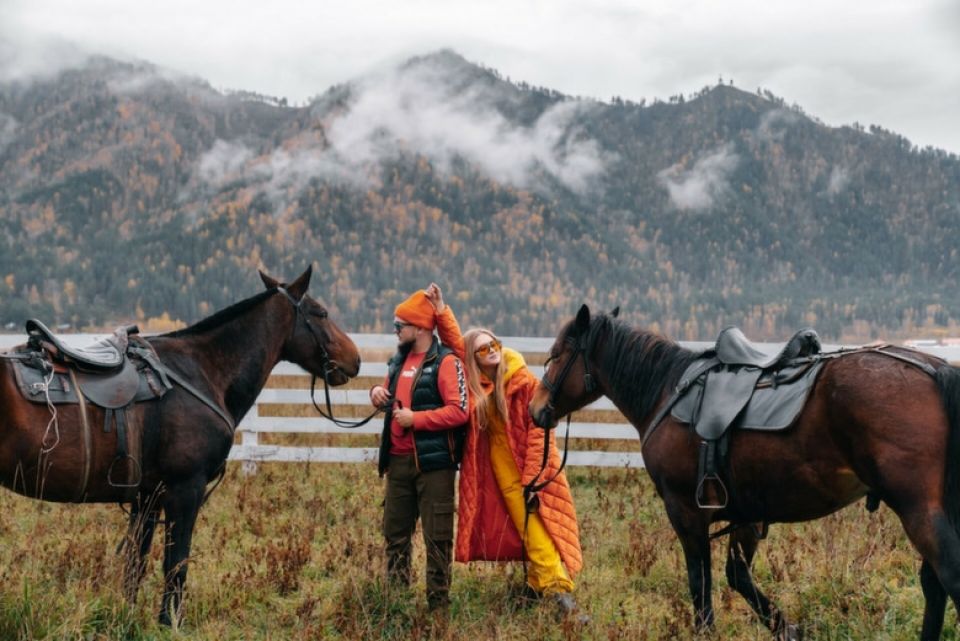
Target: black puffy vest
point(433, 450)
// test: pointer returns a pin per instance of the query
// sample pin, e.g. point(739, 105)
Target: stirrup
point(136, 467)
point(699, 493)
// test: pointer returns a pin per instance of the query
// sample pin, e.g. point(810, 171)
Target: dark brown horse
point(872, 424)
point(184, 436)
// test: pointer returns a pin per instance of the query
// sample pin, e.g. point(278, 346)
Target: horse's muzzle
point(544, 418)
point(335, 375)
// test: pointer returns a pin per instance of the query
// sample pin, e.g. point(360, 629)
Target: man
point(421, 445)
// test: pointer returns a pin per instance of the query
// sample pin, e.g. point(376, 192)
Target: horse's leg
point(692, 529)
point(144, 515)
point(180, 506)
point(938, 542)
point(935, 597)
point(742, 547)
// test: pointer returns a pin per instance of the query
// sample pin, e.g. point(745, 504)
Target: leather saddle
point(733, 348)
point(103, 356)
point(739, 385)
point(112, 374)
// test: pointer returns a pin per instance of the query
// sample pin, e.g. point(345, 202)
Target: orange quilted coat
point(484, 529)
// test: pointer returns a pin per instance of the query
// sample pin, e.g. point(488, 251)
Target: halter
point(581, 347)
point(326, 365)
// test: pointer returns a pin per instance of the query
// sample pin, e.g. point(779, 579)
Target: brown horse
point(872, 424)
point(218, 366)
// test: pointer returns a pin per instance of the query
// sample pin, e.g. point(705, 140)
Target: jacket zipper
point(413, 391)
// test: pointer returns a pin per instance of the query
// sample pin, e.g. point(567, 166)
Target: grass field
point(294, 552)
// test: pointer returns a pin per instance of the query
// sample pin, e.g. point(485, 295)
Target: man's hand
point(435, 296)
point(404, 417)
point(379, 396)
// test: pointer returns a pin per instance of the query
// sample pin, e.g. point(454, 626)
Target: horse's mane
point(639, 364)
point(223, 316)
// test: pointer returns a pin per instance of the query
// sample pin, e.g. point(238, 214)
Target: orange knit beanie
point(417, 310)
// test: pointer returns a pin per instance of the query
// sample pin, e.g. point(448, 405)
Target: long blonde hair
point(475, 374)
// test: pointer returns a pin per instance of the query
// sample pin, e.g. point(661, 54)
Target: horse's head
point(315, 343)
point(569, 381)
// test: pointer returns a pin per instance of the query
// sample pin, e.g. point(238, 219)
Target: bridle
point(326, 363)
point(581, 347)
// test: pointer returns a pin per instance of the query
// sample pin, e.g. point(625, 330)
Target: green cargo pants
point(429, 495)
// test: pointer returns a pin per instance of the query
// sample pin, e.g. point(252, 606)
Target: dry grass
point(295, 552)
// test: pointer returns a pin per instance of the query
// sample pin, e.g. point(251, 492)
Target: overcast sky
point(893, 63)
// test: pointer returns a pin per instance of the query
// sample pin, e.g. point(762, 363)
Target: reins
point(581, 348)
point(535, 485)
point(339, 422)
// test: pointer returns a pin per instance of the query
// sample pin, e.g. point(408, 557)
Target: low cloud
point(23, 60)
point(421, 109)
point(142, 77)
point(223, 162)
point(434, 108)
point(8, 130)
point(700, 187)
point(773, 124)
point(839, 179)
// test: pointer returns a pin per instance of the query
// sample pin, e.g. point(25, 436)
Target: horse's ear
point(615, 311)
point(269, 282)
point(299, 287)
point(583, 318)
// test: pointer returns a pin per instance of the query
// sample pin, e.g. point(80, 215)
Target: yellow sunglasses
point(486, 350)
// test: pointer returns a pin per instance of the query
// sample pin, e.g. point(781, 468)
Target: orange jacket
point(484, 529)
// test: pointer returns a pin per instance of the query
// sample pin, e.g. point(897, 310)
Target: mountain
point(128, 193)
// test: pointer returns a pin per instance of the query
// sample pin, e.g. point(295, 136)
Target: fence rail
point(251, 451)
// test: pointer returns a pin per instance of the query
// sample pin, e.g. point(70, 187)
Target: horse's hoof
point(167, 619)
point(790, 632)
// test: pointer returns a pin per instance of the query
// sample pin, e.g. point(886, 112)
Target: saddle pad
point(108, 391)
point(770, 407)
point(32, 385)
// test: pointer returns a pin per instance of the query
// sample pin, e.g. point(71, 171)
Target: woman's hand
point(435, 296)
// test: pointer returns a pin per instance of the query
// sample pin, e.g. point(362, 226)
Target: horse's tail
point(948, 380)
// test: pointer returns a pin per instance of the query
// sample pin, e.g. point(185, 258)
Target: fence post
point(249, 437)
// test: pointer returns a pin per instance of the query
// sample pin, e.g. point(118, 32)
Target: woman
point(502, 454)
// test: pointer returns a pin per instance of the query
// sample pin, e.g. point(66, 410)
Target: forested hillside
point(130, 194)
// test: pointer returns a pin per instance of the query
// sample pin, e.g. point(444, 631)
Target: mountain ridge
point(131, 193)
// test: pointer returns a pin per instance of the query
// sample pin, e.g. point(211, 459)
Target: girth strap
point(708, 473)
point(117, 416)
point(132, 461)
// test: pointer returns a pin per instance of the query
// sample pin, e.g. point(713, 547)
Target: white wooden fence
point(251, 451)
